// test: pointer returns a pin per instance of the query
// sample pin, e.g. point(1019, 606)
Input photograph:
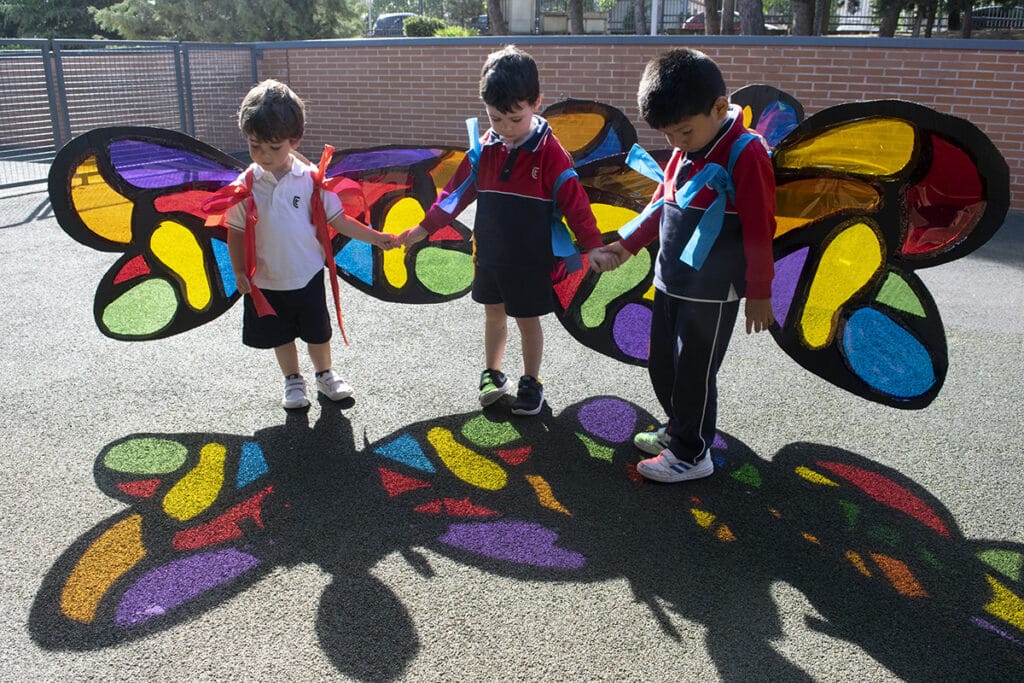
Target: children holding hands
point(707, 260)
point(523, 174)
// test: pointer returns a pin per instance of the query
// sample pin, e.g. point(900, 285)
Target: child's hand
point(385, 241)
point(412, 236)
point(242, 283)
point(608, 257)
point(759, 315)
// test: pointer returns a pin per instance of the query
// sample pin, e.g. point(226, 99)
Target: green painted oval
point(444, 271)
point(143, 310)
point(146, 456)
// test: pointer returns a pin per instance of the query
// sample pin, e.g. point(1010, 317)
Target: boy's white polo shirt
point(288, 253)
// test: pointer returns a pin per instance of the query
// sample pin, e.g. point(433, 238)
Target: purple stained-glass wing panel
point(381, 158)
point(147, 165)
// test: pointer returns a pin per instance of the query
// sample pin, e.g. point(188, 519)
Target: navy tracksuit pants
point(688, 343)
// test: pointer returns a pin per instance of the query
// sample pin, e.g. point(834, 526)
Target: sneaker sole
point(651, 449)
point(292, 405)
point(492, 397)
point(337, 397)
point(660, 475)
point(528, 411)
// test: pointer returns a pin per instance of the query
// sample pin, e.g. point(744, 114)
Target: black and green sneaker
point(493, 385)
point(529, 397)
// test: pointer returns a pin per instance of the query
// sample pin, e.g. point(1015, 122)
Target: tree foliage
point(50, 18)
point(422, 27)
point(231, 20)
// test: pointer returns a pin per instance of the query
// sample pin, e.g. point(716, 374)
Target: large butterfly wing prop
point(138, 191)
point(866, 194)
point(194, 533)
point(611, 312)
point(607, 312)
point(390, 188)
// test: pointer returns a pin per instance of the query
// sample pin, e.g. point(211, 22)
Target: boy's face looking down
point(514, 126)
point(693, 133)
point(273, 156)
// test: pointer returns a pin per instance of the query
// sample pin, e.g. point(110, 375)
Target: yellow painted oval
point(197, 490)
point(178, 249)
point(467, 465)
point(848, 263)
point(404, 214)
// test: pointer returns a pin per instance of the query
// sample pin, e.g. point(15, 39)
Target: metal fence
point(58, 89)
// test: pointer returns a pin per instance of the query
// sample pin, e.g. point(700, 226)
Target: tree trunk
point(822, 15)
point(639, 18)
point(728, 9)
point(966, 21)
point(803, 17)
point(751, 18)
point(890, 21)
point(712, 18)
point(576, 17)
point(496, 19)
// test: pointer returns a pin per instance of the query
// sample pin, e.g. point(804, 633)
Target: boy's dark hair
point(678, 84)
point(272, 112)
point(509, 76)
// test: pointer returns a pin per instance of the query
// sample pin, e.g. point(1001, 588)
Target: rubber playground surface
point(164, 518)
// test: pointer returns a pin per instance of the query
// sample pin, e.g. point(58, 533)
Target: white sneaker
point(295, 392)
point(666, 467)
point(331, 385)
point(653, 442)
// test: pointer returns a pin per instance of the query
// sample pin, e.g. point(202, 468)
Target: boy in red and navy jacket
point(715, 248)
point(522, 176)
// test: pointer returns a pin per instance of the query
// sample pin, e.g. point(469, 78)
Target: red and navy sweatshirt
point(514, 202)
point(740, 262)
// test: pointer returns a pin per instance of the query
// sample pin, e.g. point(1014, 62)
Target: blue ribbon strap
point(450, 203)
point(641, 161)
point(710, 225)
point(561, 241)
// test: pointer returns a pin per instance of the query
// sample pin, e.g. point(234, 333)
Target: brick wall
point(418, 91)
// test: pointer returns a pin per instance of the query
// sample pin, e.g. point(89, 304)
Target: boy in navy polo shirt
point(522, 176)
point(700, 275)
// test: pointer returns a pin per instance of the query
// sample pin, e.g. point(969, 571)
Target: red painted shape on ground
point(396, 483)
point(226, 526)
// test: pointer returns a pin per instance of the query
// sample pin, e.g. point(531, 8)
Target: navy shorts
point(525, 293)
point(301, 314)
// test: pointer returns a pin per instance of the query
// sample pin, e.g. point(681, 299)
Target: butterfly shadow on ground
point(552, 498)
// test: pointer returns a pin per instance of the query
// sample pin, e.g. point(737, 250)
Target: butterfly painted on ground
point(556, 498)
point(867, 193)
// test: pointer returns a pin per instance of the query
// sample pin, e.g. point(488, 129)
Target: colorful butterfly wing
point(138, 191)
point(770, 111)
point(194, 533)
point(590, 130)
point(393, 188)
point(607, 312)
point(867, 193)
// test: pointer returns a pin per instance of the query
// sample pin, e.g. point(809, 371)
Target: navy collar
point(532, 143)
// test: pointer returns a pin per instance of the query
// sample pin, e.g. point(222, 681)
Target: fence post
point(61, 105)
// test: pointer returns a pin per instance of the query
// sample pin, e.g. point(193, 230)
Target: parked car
point(481, 23)
point(998, 17)
point(390, 25)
